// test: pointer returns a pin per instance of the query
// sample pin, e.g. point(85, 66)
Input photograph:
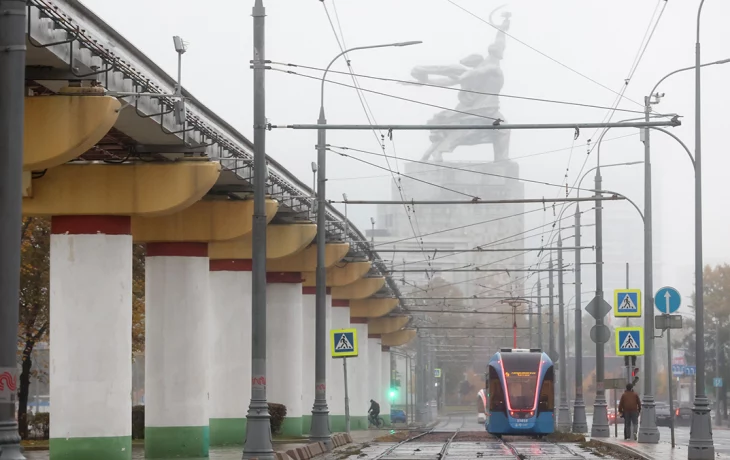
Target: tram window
point(547, 392)
point(496, 395)
point(520, 372)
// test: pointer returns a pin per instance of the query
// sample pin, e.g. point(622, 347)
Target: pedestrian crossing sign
point(629, 341)
point(627, 303)
point(343, 342)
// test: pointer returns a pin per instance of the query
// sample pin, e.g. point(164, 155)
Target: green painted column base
point(306, 424)
point(176, 441)
point(337, 423)
point(227, 431)
point(292, 427)
point(108, 448)
point(359, 422)
point(386, 419)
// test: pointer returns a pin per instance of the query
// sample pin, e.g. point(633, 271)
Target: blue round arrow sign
point(667, 300)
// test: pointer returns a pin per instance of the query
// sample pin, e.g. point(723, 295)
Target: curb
point(314, 449)
point(622, 449)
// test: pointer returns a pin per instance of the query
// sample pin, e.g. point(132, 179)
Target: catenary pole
point(648, 431)
point(12, 105)
point(258, 429)
point(564, 423)
point(580, 424)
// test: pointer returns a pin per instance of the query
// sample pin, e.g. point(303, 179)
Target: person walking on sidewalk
point(629, 407)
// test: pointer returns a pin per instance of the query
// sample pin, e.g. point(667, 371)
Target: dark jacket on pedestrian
point(629, 402)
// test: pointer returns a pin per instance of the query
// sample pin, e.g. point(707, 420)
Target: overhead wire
point(460, 90)
point(540, 52)
point(531, 155)
point(371, 118)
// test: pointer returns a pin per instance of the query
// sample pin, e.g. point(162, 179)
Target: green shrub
point(138, 422)
point(277, 412)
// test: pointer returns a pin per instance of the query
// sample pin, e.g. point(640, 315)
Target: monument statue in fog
point(477, 75)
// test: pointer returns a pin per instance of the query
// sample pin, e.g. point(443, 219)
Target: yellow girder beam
point(398, 338)
point(372, 308)
point(59, 129)
point(281, 241)
point(306, 260)
point(385, 325)
point(360, 289)
point(204, 221)
point(123, 190)
point(339, 275)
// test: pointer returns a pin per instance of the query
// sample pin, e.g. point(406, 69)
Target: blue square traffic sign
point(626, 303)
point(343, 343)
point(629, 341)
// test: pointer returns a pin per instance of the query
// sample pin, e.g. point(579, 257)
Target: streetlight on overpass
point(320, 423)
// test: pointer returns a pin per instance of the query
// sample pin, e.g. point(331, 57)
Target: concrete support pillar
point(91, 327)
point(176, 354)
point(402, 369)
point(284, 346)
point(230, 350)
point(374, 388)
point(360, 392)
point(308, 349)
point(336, 385)
point(385, 383)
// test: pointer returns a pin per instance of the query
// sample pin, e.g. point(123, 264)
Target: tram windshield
point(520, 373)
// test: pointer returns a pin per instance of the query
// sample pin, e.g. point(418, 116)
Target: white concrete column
point(401, 368)
point(361, 394)
point(374, 388)
point(329, 360)
point(91, 328)
point(284, 346)
point(385, 383)
point(308, 354)
point(340, 319)
point(230, 350)
point(176, 350)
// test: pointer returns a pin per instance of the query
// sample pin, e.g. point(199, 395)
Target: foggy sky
point(597, 39)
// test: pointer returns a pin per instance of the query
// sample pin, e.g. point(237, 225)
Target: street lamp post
point(12, 81)
point(701, 445)
point(580, 423)
point(320, 430)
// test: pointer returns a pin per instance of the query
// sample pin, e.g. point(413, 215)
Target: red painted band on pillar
point(385, 349)
point(231, 265)
point(312, 290)
point(91, 225)
point(358, 320)
point(373, 336)
point(340, 303)
point(283, 277)
point(177, 249)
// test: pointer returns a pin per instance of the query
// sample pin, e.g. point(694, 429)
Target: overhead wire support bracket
point(674, 122)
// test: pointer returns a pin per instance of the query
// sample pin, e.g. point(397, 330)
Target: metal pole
point(529, 318)
point(669, 384)
point(626, 358)
point(612, 197)
point(718, 417)
point(551, 327)
point(648, 431)
point(347, 397)
point(700, 438)
point(489, 126)
point(564, 423)
point(320, 430)
point(12, 106)
point(408, 371)
point(539, 316)
point(580, 424)
point(599, 427)
point(258, 429)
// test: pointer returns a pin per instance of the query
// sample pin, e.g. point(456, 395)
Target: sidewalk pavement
point(660, 451)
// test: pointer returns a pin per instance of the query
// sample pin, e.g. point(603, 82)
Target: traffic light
point(635, 375)
point(393, 393)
